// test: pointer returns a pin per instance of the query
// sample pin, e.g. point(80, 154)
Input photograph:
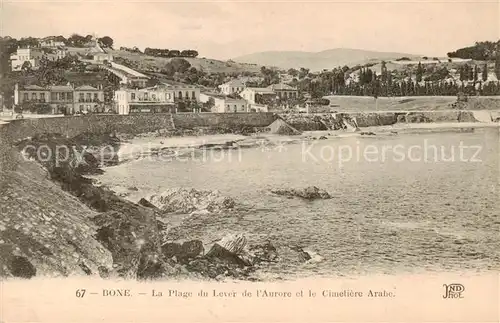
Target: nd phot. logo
point(453, 290)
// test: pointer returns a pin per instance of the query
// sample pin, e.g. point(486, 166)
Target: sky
point(228, 29)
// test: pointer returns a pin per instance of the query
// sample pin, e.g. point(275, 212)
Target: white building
point(284, 91)
point(30, 55)
point(224, 104)
point(102, 57)
point(184, 92)
point(256, 95)
point(231, 87)
point(154, 99)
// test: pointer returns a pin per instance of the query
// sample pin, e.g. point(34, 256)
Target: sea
point(401, 203)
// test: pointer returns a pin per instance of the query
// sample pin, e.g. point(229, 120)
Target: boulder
point(280, 127)
point(301, 253)
point(146, 203)
point(231, 249)
point(263, 253)
point(308, 193)
point(183, 251)
point(131, 233)
point(183, 200)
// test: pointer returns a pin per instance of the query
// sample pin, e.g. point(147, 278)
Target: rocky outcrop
point(232, 256)
point(354, 120)
point(182, 200)
point(308, 193)
point(45, 231)
point(304, 122)
point(280, 127)
point(126, 231)
point(183, 251)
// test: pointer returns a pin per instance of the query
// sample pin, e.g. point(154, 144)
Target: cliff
point(44, 230)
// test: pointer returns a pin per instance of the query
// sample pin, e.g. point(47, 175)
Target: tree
point(26, 67)
point(77, 40)
point(484, 75)
point(420, 72)
point(470, 71)
point(303, 72)
point(293, 72)
point(106, 41)
point(180, 65)
point(383, 70)
point(476, 73)
point(497, 64)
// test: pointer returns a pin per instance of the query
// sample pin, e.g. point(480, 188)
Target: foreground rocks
point(183, 200)
point(45, 231)
point(231, 256)
point(127, 232)
point(58, 223)
point(308, 193)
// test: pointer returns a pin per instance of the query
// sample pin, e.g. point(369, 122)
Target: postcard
point(249, 161)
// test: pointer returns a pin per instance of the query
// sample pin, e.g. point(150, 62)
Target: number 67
point(80, 293)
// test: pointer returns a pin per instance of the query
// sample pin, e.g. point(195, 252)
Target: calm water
point(386, 215)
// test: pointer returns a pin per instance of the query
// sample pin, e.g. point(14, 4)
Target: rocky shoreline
point(138, 239)
point(60, 223)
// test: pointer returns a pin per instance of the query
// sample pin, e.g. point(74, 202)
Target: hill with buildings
point(147, 63)
point(317, 61)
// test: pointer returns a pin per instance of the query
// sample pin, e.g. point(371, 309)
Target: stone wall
point(223, 120)
point(131, 124)
point(324, 121)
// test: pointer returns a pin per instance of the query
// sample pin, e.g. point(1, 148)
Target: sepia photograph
point(259, 157)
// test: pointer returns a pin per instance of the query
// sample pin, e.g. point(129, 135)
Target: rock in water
point(308, 193)
point(301, 253)
point(182, 252)
point(263, 253)
point(231, 248)
point(146, 203)
point(183, 200)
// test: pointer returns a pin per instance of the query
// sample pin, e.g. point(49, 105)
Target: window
point(33, 96)
point(180, 95)
point(25, 97)
point(81, 97)
point(89, 97)
point(193, 95)
point(95, 97)
point(81, 107)
point(53, 96)
point(132, 96)
point(42, 97)
point(153, 96)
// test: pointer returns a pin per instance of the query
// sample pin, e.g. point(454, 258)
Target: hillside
point(327, 59)
point(146, 63)
point(409, 103)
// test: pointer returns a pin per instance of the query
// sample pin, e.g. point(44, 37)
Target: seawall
point(335, 121)
point(222, 120)
point(131, 124)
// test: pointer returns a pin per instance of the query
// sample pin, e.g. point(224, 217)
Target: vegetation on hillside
point(158, 52)
point(481, 51)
